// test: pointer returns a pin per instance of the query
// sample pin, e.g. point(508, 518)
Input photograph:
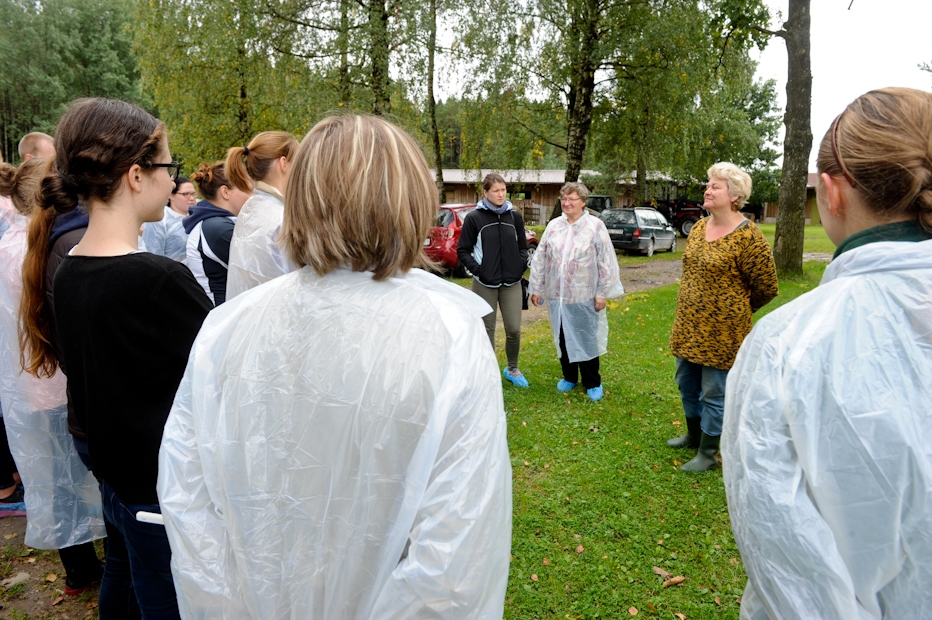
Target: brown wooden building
point(533, 192)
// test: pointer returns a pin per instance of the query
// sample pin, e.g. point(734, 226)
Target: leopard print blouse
point(724, 282)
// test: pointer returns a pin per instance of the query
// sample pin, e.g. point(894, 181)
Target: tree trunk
point(431, 101)
point(579, 102)
point(344, 86)
point(640, 185)
point(378, 52)
point(788, 242)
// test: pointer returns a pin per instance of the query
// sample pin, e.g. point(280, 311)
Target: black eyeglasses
point(173, 168)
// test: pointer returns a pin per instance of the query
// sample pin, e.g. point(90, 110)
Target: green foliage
point(216, 79)
point(766, 185)
point(55, 51)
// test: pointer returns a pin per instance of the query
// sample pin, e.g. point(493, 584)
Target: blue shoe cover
point(565, 386)
point(595, 393)
point(518, 380)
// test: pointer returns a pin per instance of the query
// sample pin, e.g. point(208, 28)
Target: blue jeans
point(137, 579)
point(702, 390)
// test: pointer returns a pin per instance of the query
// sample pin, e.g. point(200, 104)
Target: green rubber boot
point(705, 458)
point(691, 438)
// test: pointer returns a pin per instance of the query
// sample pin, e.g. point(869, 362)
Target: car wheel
point(530, 254)
point(650, 248)
point(673, 244)
point(685, 227)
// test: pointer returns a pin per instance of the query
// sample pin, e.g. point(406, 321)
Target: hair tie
point(245, 151)
point(69, 184)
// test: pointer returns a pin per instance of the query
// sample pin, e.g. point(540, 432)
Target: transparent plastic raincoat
point(574, 264)
point(255, 255)
point(62, 498)
point(167, 236)
point(337, 449)
point(827, 444)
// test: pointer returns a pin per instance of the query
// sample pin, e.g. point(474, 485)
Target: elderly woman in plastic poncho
point(827, 444)
point(62, 499)
point(575, 270)
point(337, 447)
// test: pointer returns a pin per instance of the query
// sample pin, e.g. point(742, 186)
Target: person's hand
point(536, 300)
point(599, 304)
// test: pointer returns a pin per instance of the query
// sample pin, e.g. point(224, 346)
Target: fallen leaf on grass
point(546, 562)
point(677, 463)
point(677, 423)
point(663, 574)
point(534, 577)
point(580, 549)
point(655, 467)
point(633, 611)
point(57, 601)
point(733, 561)
point(9, 536)
point(92, 605)
point(524, 424)
point(594, 429)
point(718, 601)
point(51, 577)
point(527, 462)
point(577, 536)
point(680, 616)
point(675, 581)
point(29, 560)
point(651, 607)
point(660, 542)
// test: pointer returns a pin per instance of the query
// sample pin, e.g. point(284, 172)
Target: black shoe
point(691, 438)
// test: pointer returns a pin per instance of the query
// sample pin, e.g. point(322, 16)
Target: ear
point(836, 194)
point(224, 192)
point(134, 177)
point(284, 164)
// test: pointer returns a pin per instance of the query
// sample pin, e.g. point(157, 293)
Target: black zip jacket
point(493, 247)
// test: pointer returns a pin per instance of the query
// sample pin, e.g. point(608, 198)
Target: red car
point(445, 237)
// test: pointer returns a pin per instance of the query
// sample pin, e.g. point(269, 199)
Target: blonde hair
point(22, 184)
point(738, 181)
point(245, 166)
point(884, 144)
point(29, 145)
point(360, 194)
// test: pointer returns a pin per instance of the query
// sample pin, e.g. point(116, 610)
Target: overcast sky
point(877, 43)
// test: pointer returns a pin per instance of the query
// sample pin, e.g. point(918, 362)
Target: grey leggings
point(509, 299)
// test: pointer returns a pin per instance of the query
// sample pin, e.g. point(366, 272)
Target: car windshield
point(444, 218)
point(464, 212)
point(617, 217)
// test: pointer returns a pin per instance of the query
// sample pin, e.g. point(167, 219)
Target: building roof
point(535, 177)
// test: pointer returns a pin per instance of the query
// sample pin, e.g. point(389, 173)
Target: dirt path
point(635, 278)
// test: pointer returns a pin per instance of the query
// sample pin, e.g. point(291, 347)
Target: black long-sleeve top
point(125, 326)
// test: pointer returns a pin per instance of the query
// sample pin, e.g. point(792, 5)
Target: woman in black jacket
point(493, 248)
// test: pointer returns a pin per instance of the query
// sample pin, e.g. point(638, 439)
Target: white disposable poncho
point(337, 449)
point(574, 264)
point(167, 236)
point(827, 444)
point(255, 254)
point(62, 498)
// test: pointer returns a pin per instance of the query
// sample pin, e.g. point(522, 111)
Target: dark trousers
point(137, 576)
point(7, 464)
point(589, 369)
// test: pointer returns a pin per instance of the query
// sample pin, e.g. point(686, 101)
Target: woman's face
point(158, 186)
point(495, 194)
point(573, 206)
point(183, 199)
point(717, 196)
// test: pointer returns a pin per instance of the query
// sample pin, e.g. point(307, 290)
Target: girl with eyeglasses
point(125, 321)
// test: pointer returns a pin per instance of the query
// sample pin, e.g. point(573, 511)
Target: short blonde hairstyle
point(739, 181)
point(359, 195)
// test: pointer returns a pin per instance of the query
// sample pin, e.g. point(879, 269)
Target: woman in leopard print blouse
point(728, 273)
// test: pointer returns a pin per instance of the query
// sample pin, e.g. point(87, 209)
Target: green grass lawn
point(598, 499)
